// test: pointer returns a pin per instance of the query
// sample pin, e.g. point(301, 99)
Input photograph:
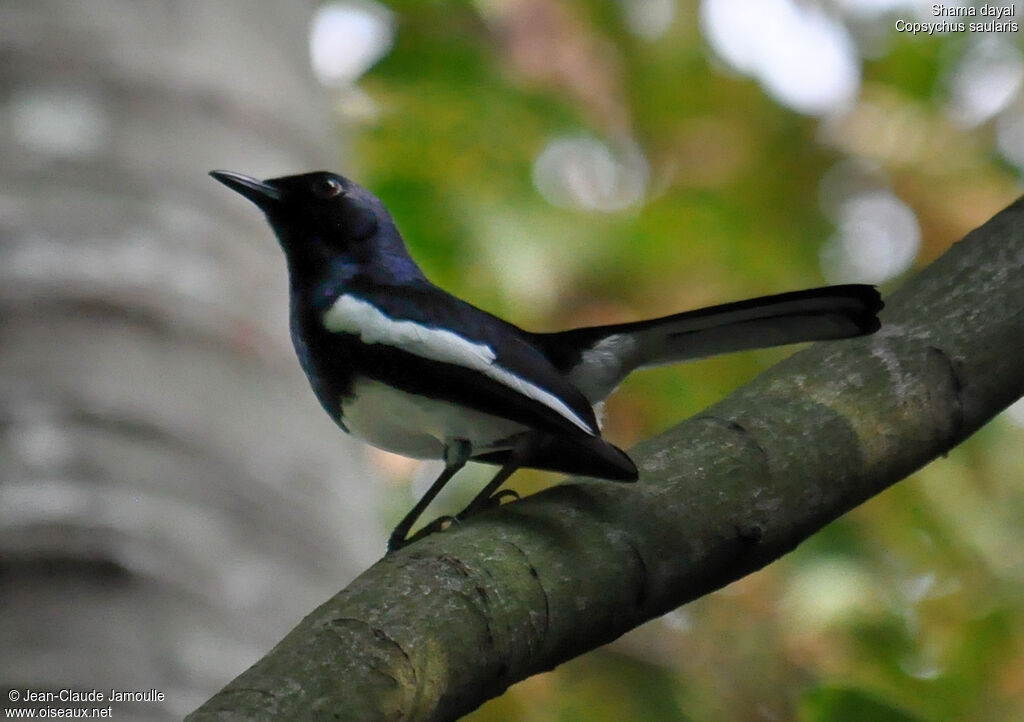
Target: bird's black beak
point(262, 194)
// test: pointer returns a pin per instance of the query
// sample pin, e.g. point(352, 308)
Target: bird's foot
point(499, 498)
point(491, 502)
point(397, 542)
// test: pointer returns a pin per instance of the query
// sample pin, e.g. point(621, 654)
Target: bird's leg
point(487, 497)
point(456, 455)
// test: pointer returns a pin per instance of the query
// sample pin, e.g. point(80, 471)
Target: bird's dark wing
point(585, 455)
point(475, 360)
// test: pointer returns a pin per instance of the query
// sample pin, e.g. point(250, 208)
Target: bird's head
point(326, 221)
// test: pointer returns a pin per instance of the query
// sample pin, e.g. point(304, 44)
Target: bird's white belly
point(417, 426)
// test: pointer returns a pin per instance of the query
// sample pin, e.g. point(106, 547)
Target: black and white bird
point(409, 368)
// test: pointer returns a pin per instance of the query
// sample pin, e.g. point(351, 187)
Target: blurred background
point(173, 500)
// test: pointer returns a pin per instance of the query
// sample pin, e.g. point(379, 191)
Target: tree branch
point(435, 630)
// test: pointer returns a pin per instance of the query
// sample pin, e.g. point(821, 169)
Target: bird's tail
point(598, 358)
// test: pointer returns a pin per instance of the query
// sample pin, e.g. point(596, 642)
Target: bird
point(410, 368)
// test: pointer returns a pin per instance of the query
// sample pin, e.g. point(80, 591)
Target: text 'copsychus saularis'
point(409, 368)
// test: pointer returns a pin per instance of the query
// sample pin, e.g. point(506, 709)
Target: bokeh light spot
point(347, 38)
point(803, 57)
point(985, 80)
point(585, 173)
point(877, 239)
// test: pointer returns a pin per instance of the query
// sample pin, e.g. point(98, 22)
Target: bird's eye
point(327, 188)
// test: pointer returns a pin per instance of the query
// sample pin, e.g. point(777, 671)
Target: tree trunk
point(171, 496)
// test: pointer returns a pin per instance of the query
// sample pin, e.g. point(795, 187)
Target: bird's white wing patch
point(349, 314)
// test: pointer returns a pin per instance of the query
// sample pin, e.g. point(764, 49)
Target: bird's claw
point(492, 502)
point(498, 498)
point(439, 524)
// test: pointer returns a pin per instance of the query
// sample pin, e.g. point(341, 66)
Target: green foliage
point(837, 704)
point(907, 609)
